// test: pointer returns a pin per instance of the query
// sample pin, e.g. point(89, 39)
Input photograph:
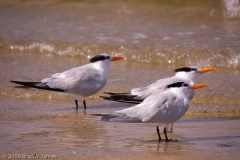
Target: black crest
point(99, 57)
point(178, 84)
point(185, 69)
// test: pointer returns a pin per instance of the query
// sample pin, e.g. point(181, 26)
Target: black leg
point(84, 104)
point(76, 101)
point(159, 137)
point(165, 133)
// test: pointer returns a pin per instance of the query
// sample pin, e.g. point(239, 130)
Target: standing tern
point(80, 82)
point(137, 95)
point(161, 108)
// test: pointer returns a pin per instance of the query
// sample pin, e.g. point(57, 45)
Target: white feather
point(164, 107)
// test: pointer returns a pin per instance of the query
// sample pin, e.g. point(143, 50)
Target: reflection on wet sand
point(79, 136)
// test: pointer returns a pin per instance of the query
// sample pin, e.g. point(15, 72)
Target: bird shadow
point(221, 140)
point(217, 138)
point(182, 143)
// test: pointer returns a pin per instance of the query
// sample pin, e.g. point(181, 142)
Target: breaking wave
point(162, 55)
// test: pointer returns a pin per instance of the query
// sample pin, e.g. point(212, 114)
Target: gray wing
point(156, 87)
point(83, 80)
point(156, 108)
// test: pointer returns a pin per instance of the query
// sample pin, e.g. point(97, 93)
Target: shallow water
point(40, 38)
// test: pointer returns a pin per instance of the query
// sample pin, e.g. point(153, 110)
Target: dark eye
point(108, 57)
point(193, 69)
point(185, 85)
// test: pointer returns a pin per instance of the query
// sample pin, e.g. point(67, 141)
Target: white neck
point(185, 92)
point(188, 76)
point(102, 66)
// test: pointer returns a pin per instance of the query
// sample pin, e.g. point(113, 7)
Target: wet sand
point(53, 127)
point(79, 136)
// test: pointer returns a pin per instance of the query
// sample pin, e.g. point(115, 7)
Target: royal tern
point(137, 95)
point(80, 82)
point(161, 108)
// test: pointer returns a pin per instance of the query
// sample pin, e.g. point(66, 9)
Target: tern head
point(105, 57)
point(102, 62)
point(191, 73)
point(184, 87)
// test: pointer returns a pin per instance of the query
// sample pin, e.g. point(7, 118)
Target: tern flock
point(163, 102)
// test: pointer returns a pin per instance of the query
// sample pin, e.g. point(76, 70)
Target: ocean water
point(156, 32)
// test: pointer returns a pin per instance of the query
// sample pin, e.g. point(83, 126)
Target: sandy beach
point(79, 136)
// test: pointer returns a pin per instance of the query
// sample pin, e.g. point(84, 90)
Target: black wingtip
point(34, 85)
point(15, 82)
point(121, 99)
point(117, 94)
point(29, 84)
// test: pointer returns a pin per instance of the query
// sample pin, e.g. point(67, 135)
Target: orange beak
point(116, 58)
point(197, 86)
point(203, 70)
